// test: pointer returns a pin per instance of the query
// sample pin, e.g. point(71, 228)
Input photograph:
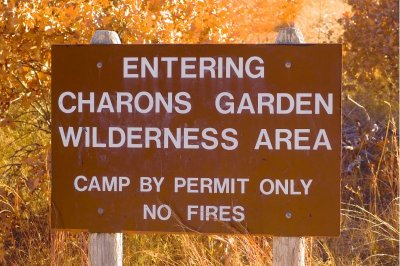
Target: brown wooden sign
point(197, 138)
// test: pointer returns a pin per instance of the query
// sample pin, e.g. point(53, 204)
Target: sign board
point(197, 138)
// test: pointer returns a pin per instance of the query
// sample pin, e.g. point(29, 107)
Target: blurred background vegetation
point(369, 32)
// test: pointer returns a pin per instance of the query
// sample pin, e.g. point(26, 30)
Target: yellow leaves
point(26, 100)
point(2, 57)
point(377, 73)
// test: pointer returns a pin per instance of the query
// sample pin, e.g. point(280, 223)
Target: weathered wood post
point(105, 249)
point(288, 251)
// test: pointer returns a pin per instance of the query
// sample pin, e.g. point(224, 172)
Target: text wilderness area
point(197, 138)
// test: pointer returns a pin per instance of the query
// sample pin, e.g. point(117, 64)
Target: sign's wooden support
point(288, 250)
point(105, 249)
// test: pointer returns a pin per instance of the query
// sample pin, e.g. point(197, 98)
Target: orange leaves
point(29, 29)
point(290, 10)
point(2, 56)
point(155, 5)
point(33, 183)
point(6, 122)
point(347, 14)
point(70, 11)
point(35, 167)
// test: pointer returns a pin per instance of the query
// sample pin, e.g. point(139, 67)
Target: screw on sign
point(237, 139)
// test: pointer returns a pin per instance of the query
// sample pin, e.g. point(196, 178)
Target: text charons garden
point(208, 138)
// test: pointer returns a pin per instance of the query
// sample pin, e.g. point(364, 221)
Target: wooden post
point(105, 249)
point(288, 251)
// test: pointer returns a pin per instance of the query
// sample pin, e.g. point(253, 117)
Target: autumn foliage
point(369, 33)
